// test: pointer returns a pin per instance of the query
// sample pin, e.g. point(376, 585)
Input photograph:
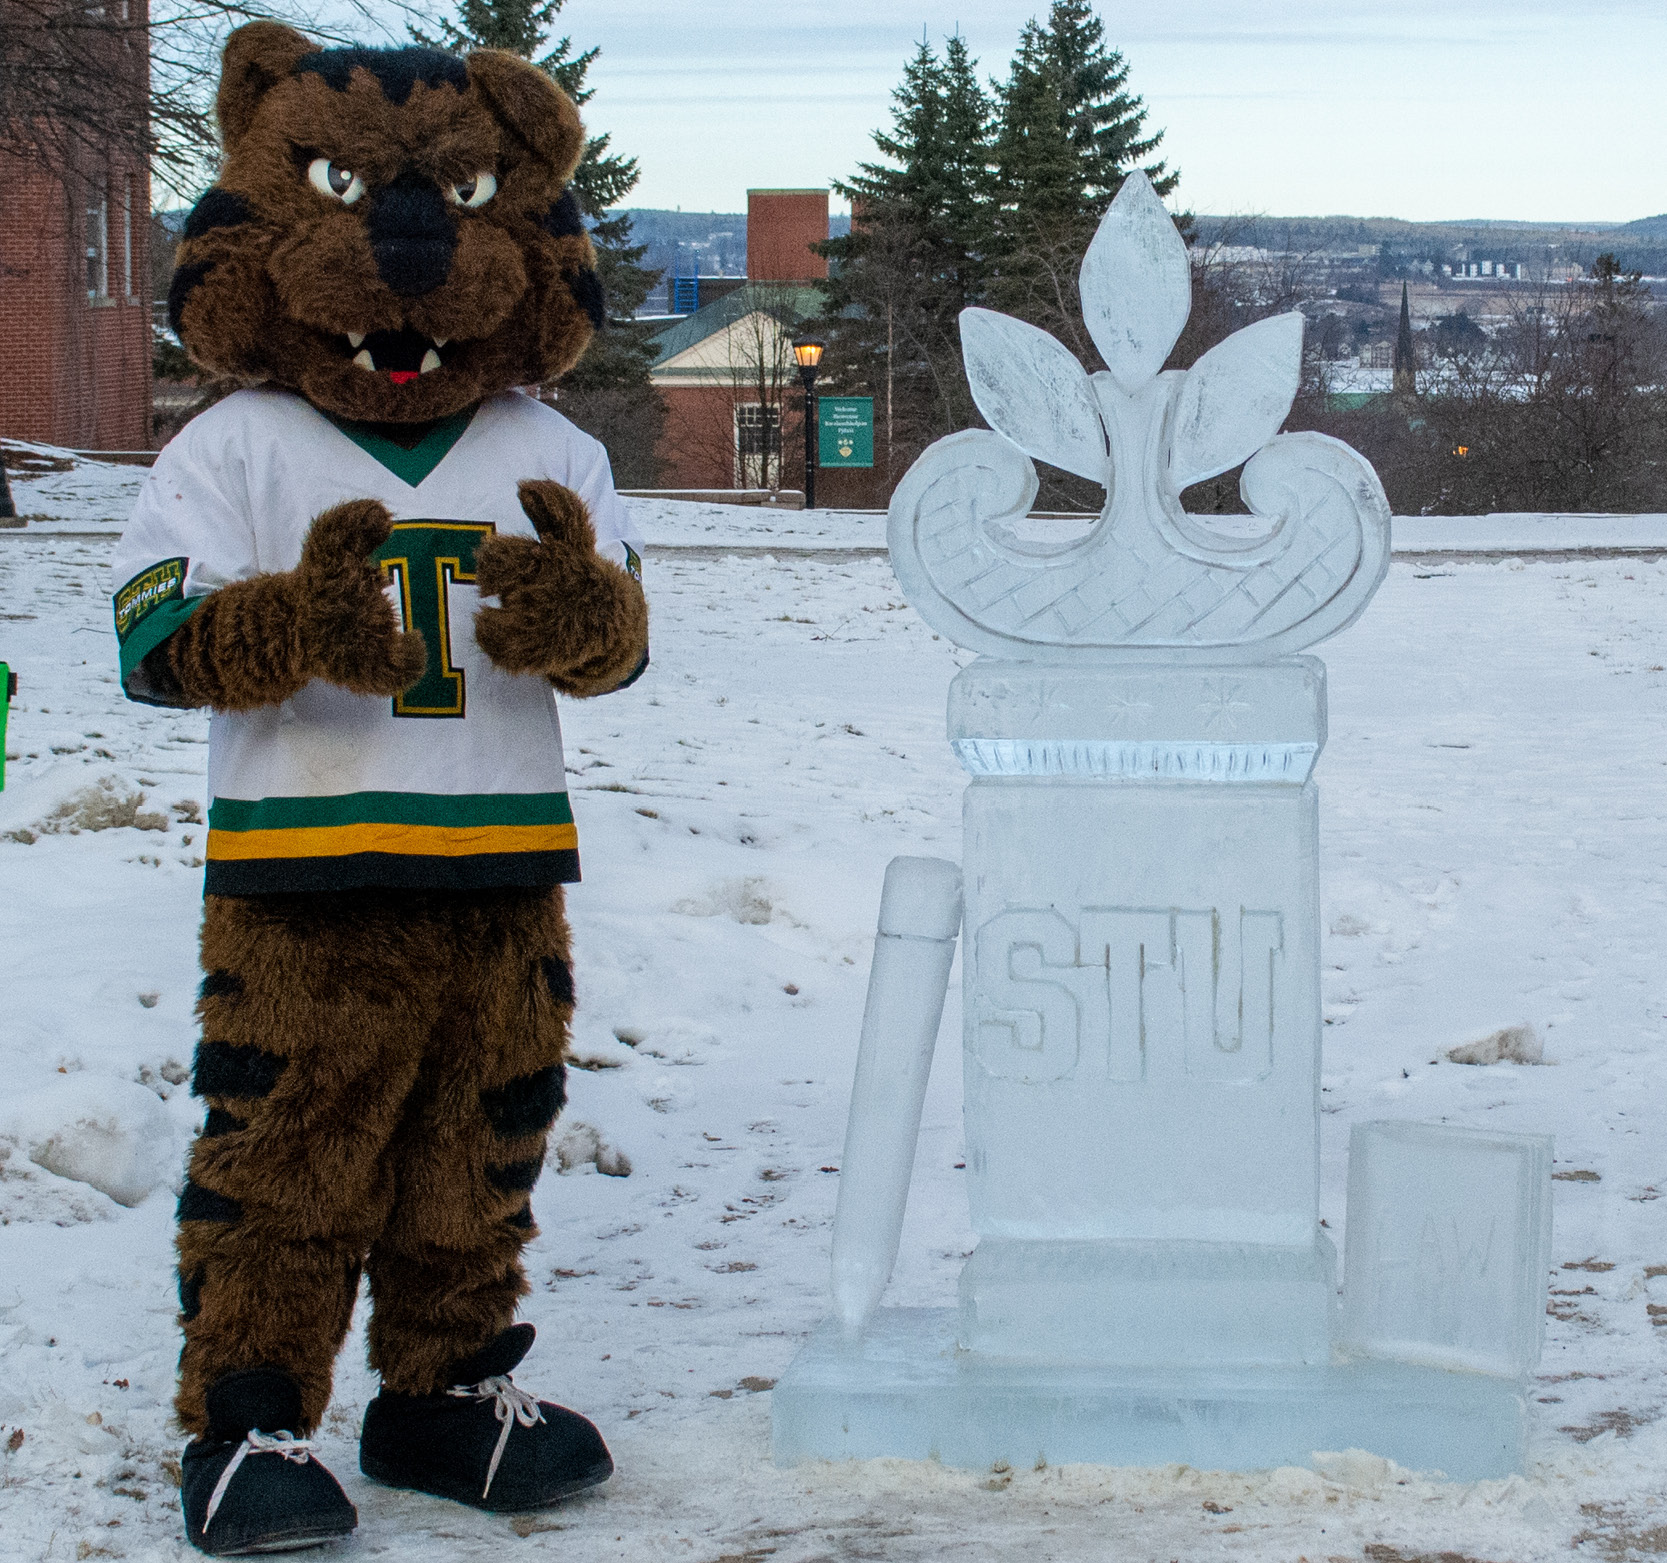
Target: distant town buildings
point(1485, 268)
point(725, 369)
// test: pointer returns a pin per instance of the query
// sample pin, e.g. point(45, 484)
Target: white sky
point(1539, 109)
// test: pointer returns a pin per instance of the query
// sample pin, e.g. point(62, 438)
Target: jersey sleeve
point(616, 533)
point(189, 534)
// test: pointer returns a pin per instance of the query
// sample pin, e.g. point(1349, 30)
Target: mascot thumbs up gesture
point(377, 564)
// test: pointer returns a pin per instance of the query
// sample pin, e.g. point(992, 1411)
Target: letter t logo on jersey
point(425, 559)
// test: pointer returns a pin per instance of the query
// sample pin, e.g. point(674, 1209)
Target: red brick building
point(75, 305)
point(734, 405)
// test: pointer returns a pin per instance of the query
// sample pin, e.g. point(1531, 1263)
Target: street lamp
point(807, 353)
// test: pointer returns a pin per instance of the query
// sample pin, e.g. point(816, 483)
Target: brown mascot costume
point(377, 563)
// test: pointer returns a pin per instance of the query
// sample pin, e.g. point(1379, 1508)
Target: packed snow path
point(1494, 823)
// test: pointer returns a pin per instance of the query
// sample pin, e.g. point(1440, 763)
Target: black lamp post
point(807, 352)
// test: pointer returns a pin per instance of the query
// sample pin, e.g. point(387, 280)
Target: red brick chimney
point(781, 227)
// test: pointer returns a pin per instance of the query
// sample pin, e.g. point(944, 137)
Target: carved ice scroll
point(1146, 579)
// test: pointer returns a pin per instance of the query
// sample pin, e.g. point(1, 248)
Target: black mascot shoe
point(244, 1490)
point(484, 1442)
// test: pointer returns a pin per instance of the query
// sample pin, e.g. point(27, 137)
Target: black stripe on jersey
point(391, 870)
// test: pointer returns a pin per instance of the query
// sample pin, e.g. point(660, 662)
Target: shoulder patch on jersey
point(146, 592)
point(148, 610)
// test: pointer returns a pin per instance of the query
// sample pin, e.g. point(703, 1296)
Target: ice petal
point(1034, 392)
point(1136, 284)
point(1235, 398)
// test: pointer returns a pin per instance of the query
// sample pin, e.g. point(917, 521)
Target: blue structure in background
point(685, 286)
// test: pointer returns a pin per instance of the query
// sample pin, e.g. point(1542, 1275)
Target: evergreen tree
point(1068, 133)
point(915, 257)
point(608, 393)
point(1040, 171)
point(1103, 120)
point(982, 198)
point(1070, 130)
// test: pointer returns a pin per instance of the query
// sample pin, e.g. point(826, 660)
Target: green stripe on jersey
point(456, 810)
point(408, 465)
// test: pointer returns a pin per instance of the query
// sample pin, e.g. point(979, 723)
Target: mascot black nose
point(411, 236)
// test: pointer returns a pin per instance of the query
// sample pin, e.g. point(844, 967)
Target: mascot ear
point(258, 56)
point(532, 106)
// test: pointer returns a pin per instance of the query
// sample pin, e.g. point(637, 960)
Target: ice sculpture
point(1140, 947)
point(1444, 1226)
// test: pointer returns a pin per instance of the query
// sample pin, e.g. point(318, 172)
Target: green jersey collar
point(414, 464)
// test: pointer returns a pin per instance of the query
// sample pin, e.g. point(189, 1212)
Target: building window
point(757, 444)
point(98, 240)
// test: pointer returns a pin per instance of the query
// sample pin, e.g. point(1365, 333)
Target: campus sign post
point(846, 431)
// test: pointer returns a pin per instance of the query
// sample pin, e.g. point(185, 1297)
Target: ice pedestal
point(1142, 1033)
point(1141, 1058)
point(1142, 958)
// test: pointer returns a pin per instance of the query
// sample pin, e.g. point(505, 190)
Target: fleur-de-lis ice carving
point(1147, 578)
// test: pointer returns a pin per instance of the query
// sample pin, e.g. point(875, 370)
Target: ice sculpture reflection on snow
point(1141, 958)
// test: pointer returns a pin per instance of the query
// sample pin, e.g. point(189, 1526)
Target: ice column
point(914, 948)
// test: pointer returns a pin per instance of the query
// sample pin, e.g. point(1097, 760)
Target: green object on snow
point(8, 688)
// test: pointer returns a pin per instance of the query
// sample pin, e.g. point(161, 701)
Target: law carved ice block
point(1140, 953)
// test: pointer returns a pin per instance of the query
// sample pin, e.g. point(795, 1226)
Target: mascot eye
point(473, 192)
point(329, 179)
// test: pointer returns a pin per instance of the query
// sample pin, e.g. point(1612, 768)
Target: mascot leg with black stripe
point(377, 565)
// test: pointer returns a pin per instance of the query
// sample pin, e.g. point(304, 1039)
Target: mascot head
point(391, 235)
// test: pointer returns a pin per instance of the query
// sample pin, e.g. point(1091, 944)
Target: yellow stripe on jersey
point(404, 840)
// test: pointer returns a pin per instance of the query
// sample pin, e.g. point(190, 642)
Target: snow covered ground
point(1494, 827)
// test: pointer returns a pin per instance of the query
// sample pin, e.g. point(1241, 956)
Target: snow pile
point(1510, 1044)
point(752, 900)
point(57, 491)
point(581, 1145)
point(112, 1134)
point(108, 804)
point(674, 1040)
point(30, 1193)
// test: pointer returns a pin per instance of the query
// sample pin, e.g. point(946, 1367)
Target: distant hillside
point(1646, 228)
point(1640, 246)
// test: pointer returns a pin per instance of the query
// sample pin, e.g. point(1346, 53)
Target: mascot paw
point(350, 632)
point(561, 604)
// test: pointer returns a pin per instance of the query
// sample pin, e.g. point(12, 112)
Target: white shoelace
point(256, 1442)
point(510, 1404)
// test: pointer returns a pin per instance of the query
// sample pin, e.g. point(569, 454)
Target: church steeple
point(1406, 357)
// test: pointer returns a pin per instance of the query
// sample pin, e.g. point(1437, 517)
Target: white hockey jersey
point(458, 783)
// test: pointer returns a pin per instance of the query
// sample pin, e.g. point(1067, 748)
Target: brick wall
point(75, 336)
point(781, 227)
point(78, 361)
point(697, 446)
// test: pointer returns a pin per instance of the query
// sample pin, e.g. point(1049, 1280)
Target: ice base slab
point(904, 1391)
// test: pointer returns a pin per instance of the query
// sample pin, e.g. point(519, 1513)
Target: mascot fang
point(377, 564)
